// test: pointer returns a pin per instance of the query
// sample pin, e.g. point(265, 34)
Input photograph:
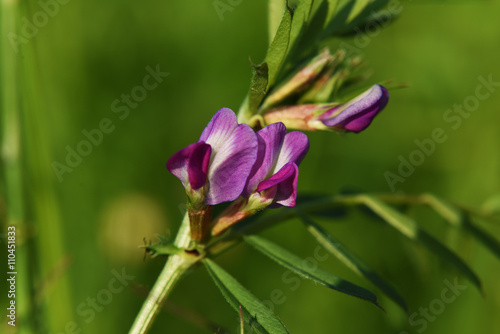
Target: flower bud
point(358, 113)
point(353, 116)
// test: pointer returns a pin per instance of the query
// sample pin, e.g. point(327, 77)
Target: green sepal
point(162, 248)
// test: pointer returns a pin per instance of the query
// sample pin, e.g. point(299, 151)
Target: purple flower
point(354, 115)
point(215, 169)
point(273, 178)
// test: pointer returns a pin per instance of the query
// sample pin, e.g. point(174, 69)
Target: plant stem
point(174, 269)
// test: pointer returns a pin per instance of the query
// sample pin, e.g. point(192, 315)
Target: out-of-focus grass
point(90, 53)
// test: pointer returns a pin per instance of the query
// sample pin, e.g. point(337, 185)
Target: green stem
point(174, 269)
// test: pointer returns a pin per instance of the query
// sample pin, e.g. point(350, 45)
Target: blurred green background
point(78, 233)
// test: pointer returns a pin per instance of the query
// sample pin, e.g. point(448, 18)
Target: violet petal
point(270, 140)
point(294, 149)
point(220, 127)
point(232, 163)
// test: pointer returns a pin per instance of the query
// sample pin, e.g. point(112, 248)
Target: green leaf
point(300, 17)
point(279, 47)
point(275, 12)
point(446, 210)
point(357, 9)
point(379, 20)
point(350, 14)
point(307, 42)
point(485, 238)
point(257, 315)
point(336, 248)
point(458, 218)
point(409, 228)
point(316, 274)
point(339, 17)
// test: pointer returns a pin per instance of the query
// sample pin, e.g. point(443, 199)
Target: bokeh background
point(79, 231)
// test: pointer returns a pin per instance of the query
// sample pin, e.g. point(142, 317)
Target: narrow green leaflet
point(457, 218)
point(486, 239)
point(357, 9)
point(352, 13)
point(332, 8)
point(336, 248)
point(300, 18)
point(306, 42)
point(410, 229)
point(275, 12)
point(279, 47)
point(256, 314)
point(317, 275)
point(338, 20)
point(445, 209)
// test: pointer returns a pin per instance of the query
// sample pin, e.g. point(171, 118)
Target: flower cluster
point(255, 170)
point(230, 160)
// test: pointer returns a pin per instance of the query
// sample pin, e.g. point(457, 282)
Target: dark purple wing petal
point(179, 162)
point(270, 140)
point(231, 165)
point(358, 113)
point(285, 180)
point(198, 165)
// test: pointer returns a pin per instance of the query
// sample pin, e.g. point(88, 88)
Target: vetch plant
point(249, 163)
